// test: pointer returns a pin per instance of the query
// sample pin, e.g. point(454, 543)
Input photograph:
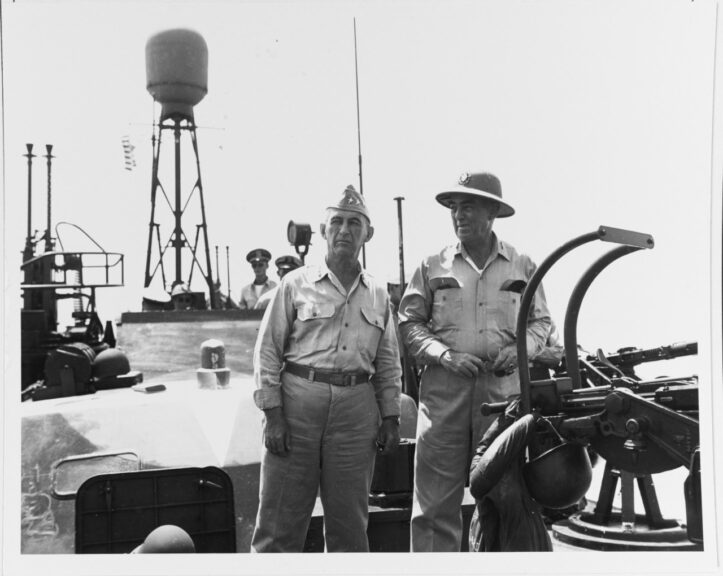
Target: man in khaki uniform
point(328, 379)
point(259, 260)
point(457, 319)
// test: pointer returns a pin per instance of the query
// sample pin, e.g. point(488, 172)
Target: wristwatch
point(396, 419)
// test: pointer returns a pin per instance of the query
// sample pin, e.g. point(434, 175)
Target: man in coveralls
point(328, 379)
point(259, 260)
point(457, 319)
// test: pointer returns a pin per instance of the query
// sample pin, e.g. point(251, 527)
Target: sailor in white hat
point(326, 366)
point(458, 321)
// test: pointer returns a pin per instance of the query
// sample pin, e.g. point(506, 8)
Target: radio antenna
point(29, 251)
point(358, 133)
point(48, 239)
point(228, 276)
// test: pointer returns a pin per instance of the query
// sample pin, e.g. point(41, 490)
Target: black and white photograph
point(378, 278)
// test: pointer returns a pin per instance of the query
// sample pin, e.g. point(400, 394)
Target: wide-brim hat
point(478, 185)
point(259, 254)
point(288, 262)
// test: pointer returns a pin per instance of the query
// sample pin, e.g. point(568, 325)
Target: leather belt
point(333, 378)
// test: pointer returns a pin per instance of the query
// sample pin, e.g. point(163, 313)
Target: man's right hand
point(276, 432)
point(462, 364)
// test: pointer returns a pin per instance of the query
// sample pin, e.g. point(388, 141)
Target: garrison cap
point(288, 262)
point(479, 185)
point(353, 201)
point(258, 254)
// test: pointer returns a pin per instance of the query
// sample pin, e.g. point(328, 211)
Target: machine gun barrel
point(634, 356)
point(556, 397)
point(604, 233)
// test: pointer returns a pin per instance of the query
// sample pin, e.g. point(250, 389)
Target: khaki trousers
point(449, 425)
point(333, 432)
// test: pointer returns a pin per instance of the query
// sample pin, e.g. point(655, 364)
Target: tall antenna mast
point(228, 276)
point(48, 238)
point(358, 132)
point(218, 271)
point(29, 251)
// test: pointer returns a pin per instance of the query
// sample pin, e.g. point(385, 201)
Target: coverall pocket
point(508, 305)
point(447, 307)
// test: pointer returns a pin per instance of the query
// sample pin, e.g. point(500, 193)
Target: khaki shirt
point(248, 294)
point(450, 304)
point(312, 320)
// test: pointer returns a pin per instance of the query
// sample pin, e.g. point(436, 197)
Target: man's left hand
point(506, 360)
point(388, 436)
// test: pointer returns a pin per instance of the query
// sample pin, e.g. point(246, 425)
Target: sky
point(591, 113)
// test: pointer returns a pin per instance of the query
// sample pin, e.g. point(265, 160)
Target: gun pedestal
point(603, 529)
point(639, 428)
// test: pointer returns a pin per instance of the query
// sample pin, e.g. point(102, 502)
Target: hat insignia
point(350, 196)
point(464, 178)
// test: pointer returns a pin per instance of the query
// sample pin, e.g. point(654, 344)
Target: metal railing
point(58, 270)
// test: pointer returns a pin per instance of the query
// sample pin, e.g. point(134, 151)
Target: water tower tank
point(177, 70)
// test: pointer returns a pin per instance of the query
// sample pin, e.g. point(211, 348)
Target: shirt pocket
point(447, 307)
point(506, 309)
point(316, 329)
point(370, 332)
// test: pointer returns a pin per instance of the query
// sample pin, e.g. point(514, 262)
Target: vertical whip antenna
point(29, 251)
point(402, 280)
point(358, 132)
point(218, 270)
point(228, 275)
point(48, 239)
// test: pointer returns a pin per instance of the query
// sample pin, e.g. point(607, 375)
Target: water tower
point(177, 78)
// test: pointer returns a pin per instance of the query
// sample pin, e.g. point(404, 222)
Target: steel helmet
point(166, 539)
point(559, 477)
point(109, 363)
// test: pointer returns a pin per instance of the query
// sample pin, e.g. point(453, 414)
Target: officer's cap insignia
point(351, 197)
point(259, 254)
point(352, 200)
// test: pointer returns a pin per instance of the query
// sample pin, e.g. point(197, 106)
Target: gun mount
point(76, 360)
point(639, 427)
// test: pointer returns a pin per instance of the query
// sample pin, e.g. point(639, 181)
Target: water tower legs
point(178, 240)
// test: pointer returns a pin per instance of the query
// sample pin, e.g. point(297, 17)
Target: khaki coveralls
point(450, 304)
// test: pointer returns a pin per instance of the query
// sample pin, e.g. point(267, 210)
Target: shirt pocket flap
point(443, 283)
point(514, 285)
point(315, 310)
point(373, 317)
